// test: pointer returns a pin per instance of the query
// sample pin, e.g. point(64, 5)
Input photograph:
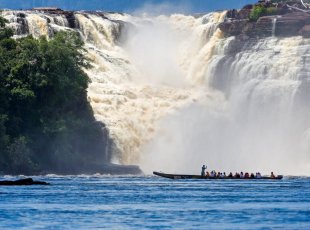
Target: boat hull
point(181, 176)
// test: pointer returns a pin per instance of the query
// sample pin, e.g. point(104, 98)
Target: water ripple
point(126, 202)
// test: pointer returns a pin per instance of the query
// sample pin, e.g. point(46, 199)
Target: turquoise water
point(88, 202)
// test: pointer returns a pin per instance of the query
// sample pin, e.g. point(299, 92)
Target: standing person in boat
point(272, 175)
point(203, 173)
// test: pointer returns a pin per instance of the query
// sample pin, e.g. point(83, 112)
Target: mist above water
point(154, 48)
point(231, 137)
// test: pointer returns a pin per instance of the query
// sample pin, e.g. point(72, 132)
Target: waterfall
point(174, 93)
point(274, 24)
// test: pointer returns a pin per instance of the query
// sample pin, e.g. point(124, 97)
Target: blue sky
point(187, 6)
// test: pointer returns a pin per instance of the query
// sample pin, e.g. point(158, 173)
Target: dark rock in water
point(27, 181)
point(21, 15)
point(71, 19)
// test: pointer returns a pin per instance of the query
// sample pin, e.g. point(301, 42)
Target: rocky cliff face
point(285, 22)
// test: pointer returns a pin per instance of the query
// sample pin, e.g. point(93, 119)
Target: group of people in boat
point(241, 175)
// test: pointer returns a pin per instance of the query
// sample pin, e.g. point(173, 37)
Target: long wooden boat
point(181, 176)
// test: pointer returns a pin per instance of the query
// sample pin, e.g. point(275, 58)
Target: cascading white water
point(261, 123)
point(174, 96)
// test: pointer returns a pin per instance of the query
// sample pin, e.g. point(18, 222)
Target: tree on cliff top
point(261, 10)
point(46, 122)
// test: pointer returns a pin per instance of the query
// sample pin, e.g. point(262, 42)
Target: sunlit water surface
point(87, 202)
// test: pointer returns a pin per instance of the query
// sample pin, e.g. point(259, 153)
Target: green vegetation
point(260, 10)
point(271, 11)
point(257, 12)
point(46, 123)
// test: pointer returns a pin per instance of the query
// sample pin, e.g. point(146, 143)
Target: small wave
point(295, 177)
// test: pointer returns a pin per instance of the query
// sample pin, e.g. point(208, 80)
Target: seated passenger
point(230, 175)
point(218, 174)
point(246, 175)
point(241, 175)
point(237, 175)
point(272, 175)
point(207, 174)
point(252, 175)
point(224, 174)
point(258, 176)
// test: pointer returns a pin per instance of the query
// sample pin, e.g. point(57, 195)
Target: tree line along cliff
point(46, 122)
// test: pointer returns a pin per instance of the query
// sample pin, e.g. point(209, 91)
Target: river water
point(144, 202)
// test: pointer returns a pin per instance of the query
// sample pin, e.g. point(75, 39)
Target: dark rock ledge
point(26, 181)
point(285, 22)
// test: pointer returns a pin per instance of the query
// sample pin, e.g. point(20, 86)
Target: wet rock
point(263, 27)
point(290, 24)
point(239, 14)
point(305, 31)
point(286, 25)
point(71, 19)
point(26, 181)
point(21, 15)
point(237, 27)
point(22, 27)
